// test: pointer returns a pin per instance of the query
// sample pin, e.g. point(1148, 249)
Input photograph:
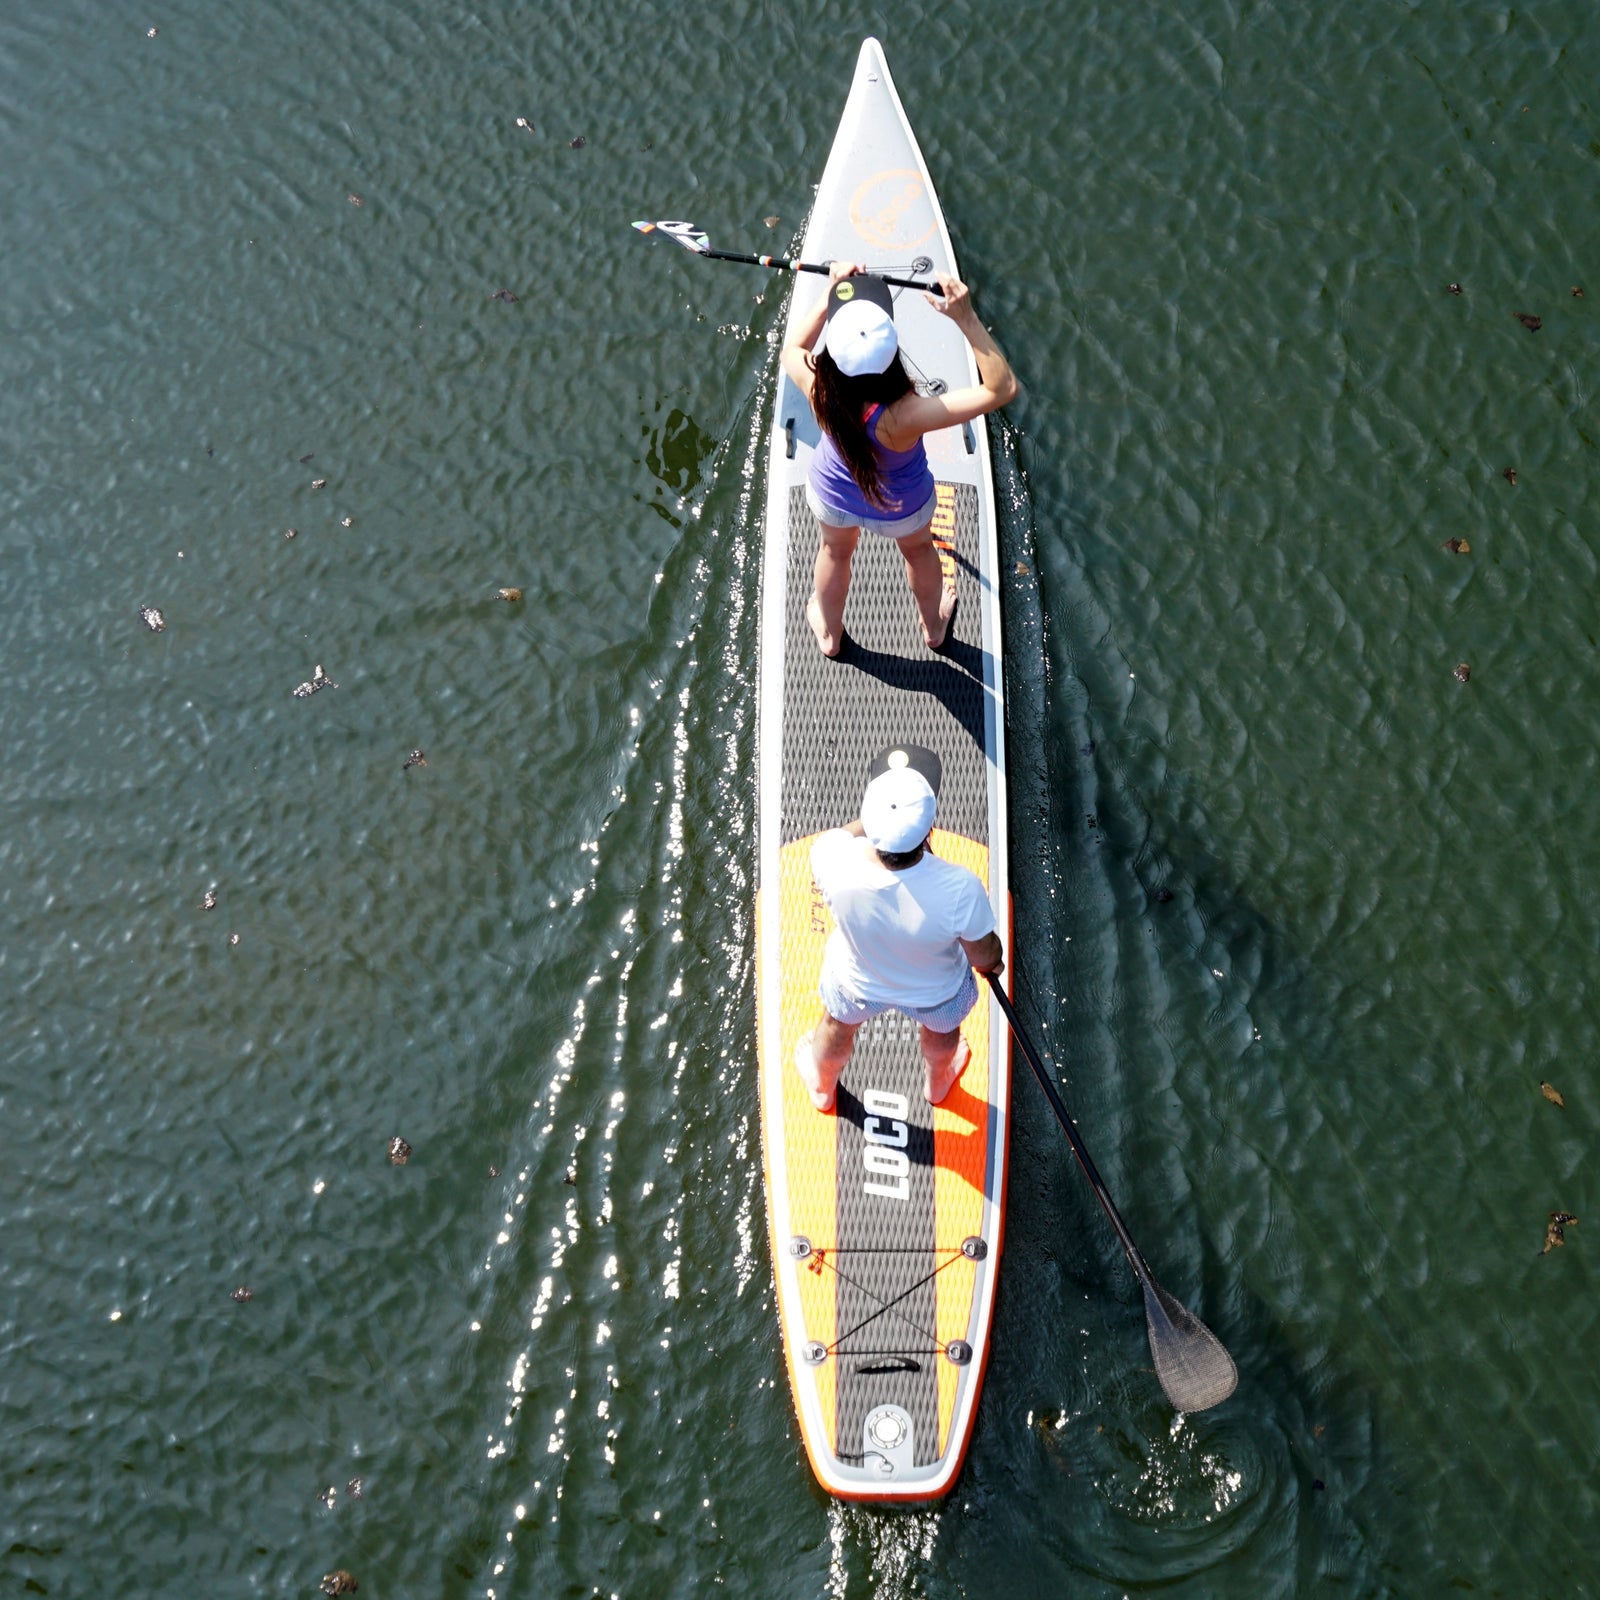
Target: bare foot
point(947, 611)
point(935, 1091)
point(826, 642)
point(805, 1062)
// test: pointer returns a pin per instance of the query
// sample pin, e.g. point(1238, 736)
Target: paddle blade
point(1194, 1367)
point(684, 233)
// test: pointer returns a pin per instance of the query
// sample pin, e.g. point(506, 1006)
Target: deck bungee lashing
point(886, 1215)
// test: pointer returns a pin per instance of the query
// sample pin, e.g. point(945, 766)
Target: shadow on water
point(1079, 1461)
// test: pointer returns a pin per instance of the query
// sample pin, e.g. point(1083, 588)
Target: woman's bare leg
point(831, 586)
point(935, 597)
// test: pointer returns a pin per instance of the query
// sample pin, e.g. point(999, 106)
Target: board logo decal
point(891, 209)
point(886, 1132)
point(944, 529)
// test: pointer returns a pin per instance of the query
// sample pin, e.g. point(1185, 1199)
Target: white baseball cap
point(897, 810)
point(861, 333)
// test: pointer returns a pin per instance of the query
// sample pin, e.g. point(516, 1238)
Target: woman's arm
point(908, 419)
point(800, 343)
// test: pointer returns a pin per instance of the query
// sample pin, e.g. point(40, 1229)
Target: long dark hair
point(840, 403)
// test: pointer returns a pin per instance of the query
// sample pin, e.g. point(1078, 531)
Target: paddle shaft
point(1085, 1160)
point(784, 264)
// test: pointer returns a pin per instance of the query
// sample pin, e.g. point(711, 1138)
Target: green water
point(1304, 919)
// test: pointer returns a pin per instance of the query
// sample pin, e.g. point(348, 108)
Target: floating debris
point(1462, 671)
point(208, 901)
point(1452, 288)
point(772, 222)
point(150, 33)
point(355, 200)
point(512, 595)
point(1532, 323)
point(318, 680)
point(1458, 547)
point(353, 1488)
point(578, 143)
point(494, 1172)
point(415, 759)
point(330, 1496)
point(1577, 291)
point(241, 1294)
point(1552, 1094)
point(152, 619)
point(571, 1179)
point(339, 1582)
point(506, 295)
point(647, 145)
point(233, 939)
point(1163, 895)
point(347, 522)
point(1022, 568)
point(522, 122)
point(399, 1151)
point(319, 483)
point(1320, 1429)
point(1510, 475)
point(1555, 1233)
point(291, 533)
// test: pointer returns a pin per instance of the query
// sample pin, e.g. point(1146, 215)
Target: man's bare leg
point(946, 1056)
point(821, 1057)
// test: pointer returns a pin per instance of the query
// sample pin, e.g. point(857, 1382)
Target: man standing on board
point(909, 931)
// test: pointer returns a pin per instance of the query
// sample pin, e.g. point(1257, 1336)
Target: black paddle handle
point(784, 264)
point(1079, 1149)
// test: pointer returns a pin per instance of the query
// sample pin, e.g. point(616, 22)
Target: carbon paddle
point(1195, 1369)
point(694, 241)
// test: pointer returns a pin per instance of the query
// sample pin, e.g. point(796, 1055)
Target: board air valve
point(887, 1434)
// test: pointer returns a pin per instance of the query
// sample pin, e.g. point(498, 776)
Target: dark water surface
point(1304, 919)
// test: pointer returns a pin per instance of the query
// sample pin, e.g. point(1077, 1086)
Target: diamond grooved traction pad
point(885, 687)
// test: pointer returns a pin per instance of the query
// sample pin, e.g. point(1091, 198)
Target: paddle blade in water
point(1195, 1369)
point(684, 233)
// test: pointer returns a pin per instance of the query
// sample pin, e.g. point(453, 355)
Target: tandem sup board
point(885, 1215)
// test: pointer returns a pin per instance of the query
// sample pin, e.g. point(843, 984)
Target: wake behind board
point(885, 1215)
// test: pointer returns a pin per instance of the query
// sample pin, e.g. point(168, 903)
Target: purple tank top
point(907, 478)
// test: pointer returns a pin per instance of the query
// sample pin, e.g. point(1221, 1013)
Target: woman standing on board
point(870, 469)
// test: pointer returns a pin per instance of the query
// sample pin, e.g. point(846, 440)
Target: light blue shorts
point(892, 528)
point(947, 1018)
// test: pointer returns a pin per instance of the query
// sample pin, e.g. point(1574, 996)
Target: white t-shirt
point(895, 934)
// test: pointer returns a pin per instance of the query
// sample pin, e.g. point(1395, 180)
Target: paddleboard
point(885, 1215)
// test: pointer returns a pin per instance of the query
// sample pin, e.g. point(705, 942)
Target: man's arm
point(985, 954)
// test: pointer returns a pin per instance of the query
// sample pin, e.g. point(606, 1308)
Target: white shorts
point(888, 528)
point(946, 1018)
